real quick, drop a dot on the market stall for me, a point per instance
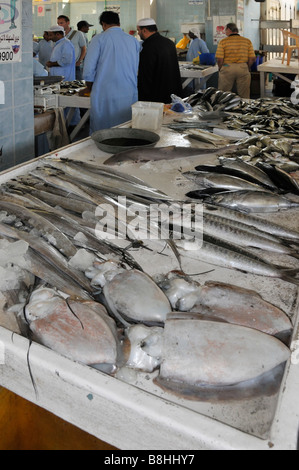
(130, 410)
(189, 71)
(276, 67)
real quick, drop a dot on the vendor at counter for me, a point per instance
(235, 56)
(197, 46)
(62, 61)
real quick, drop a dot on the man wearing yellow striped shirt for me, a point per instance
(235, 56)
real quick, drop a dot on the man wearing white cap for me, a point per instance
(110, 71)
(62, 61)
(159, 74)
(197, 45)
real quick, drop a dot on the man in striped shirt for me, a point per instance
(235, 56)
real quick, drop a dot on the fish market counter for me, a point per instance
(276, 67)
(133, 412)
(189, 71)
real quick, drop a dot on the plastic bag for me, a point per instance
(179, 106)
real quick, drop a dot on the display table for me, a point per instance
(73, 102)
(189, 71)
(44, 122)
(141, 415)
(276, 67)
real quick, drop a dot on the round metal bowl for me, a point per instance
(120, 139)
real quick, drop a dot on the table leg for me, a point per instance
(262, 84)
(80, 125)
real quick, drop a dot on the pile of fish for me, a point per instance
(212, 99)
(236, 184)
(87, 298)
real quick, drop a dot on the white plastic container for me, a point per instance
(147, 115)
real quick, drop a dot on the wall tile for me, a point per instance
(23, 118)
(5, 72)
(6, 120)
(23, 92)
(24, 145)
(7, 157)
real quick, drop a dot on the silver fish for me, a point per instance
(261, 224)
(252, 201)
(247, 171)
(215, 251)
(220, 227)
(49, 231)
(48, 252)
(221, 181)
(106, 183)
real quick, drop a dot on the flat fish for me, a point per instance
(157, 153)
(200, 352)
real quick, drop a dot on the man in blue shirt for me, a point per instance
(197, 46)
(62, 62)
(110, 71)
(45, 47)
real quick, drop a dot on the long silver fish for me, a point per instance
(216, 252)
(220, 227)
(49, 231)
(51, 255)
(106, 183)
(251, 201)
(253, 221)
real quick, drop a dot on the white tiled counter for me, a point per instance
(141, 415)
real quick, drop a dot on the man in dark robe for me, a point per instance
(159, 74)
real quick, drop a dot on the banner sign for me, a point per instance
(10, 31)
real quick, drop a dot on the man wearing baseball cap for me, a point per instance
(62, 61)
(159, 74)
(83, 26)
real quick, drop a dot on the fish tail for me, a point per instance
(287, 277)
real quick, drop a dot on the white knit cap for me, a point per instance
(195, 31)
(146, 22)
(56, 29)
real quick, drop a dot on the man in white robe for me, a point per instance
(110, 72)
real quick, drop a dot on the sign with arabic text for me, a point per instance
(10, 31)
